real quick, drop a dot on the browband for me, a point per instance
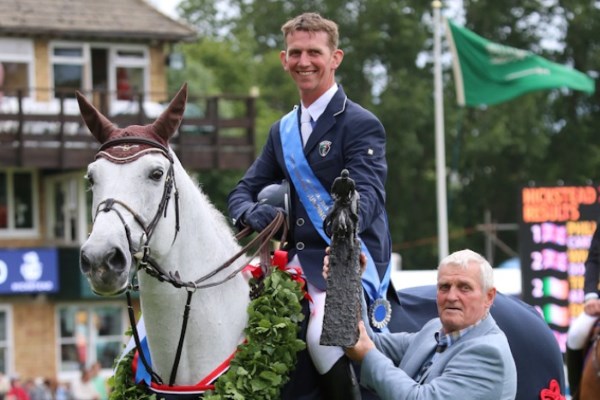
(137, 140)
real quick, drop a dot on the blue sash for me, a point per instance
(317, 201)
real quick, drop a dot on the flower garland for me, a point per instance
(262, 365)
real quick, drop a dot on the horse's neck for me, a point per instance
(218, 314)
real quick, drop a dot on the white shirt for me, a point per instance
(318, 107)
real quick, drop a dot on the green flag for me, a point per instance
(490, 73)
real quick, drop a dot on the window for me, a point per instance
(15, 78)
(121, 69)
(130, 69)
(16, 66)
(67, 210)
(68, 63)
(4, 340)
(90, 333)
(18, 200)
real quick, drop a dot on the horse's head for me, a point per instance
(132, 183)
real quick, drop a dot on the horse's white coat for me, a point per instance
(218, 315)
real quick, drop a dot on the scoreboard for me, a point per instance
(555, 231)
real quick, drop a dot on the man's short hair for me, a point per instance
(465, 257)
(312, 22)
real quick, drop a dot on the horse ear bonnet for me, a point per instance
(159, 132)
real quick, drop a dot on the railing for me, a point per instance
(217, 132)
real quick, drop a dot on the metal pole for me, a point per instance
(440, 147)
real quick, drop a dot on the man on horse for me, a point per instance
(309, 147)
(580, 329)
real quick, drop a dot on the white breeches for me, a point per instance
(323, 357)
(579, 331)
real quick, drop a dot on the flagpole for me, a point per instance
(440, 146)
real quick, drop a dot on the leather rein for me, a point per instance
(595, 346)
(145, 262)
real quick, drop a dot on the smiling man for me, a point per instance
(308, 149)
(461, 354)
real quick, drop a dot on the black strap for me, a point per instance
(186, 314)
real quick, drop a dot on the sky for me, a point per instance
(166, 6)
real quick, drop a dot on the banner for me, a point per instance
(490, 73)
(28, 271)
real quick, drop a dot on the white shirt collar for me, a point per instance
(318, 107)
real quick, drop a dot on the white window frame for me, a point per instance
(83, 60)
(9, 344)
(21, 233)
(114, 60)
(24, 55)
(81, 207)
(117, 61)
(90, 307)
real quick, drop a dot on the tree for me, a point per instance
(491, 151)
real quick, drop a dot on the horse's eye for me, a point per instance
(156, 174)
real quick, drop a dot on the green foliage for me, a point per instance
(122, 383)
(543, 137)
(262, 364)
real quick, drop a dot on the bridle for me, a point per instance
(145, 262)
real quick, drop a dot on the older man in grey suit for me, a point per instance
(461, 354)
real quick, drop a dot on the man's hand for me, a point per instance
(259, 216)
(362, 346)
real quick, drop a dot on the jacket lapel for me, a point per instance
(424, 346)
(482, 329)
(327, 120)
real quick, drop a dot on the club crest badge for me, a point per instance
(324, 147)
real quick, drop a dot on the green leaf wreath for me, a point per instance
(263, 363)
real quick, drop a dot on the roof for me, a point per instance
(98, 19)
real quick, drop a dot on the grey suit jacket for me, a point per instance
(479, 366)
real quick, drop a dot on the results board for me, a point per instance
(555, 232)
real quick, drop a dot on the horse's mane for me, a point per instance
(199, 199)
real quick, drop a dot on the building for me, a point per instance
(117, 53)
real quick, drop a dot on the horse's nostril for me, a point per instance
(115, 260)
(84, 263)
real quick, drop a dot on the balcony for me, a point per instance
(217, 132)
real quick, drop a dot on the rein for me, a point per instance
(595, 360)
(151, 267)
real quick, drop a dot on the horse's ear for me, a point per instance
(166, 125)
(97, 123)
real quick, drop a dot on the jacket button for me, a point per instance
(300, 221)
(300, 246)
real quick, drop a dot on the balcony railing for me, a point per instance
(217, 132)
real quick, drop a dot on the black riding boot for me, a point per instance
(340, 382)
(574, 360)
